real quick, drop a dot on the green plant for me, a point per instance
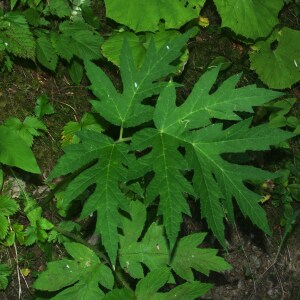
(8, 207)
(269, 40)
(158, 145)
(71, 39)
(15, 132)
(4, 273)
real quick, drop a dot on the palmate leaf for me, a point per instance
(106, 173)
(153, 250)
(252, 19)
(79, 276)
(174, 13)
(125, 109)
(215, 181)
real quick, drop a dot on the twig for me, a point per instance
(248, 261)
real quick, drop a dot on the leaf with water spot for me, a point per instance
(79, 277)
(215, 181)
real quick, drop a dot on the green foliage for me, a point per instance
(15, 132)
(73, 40)
(36, 231)
(147, 288)
(252, 19)
(173, 13)
(43, 107)
(28, 129)
(83, 274)
(21, 156)
(278, 68)
(120, 109)
(134, 164)
(138, 44)
(79, 276)
(15, 36)
(88, 121)
(152, 250)
(8, 207)
(216, 181)
(4, 274)
(280, 114)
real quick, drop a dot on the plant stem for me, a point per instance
(121, 139)
(121, 133)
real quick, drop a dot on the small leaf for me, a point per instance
(76, 71)
(43, 107)
(21, 156)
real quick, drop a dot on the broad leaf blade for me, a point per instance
(174, 13)
(283, 63)
(21, 156)
(252, 19)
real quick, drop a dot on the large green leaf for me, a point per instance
(153, 251)
(125, 109)
(215, 179)
(252, 19)
(278, 68)
(142, 15)
(14, 151)
(80, 277)
(107, 173)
